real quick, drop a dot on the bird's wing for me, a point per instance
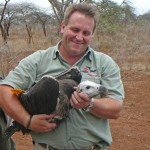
(42, 97)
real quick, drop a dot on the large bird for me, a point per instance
(47, 96)
(52, 95)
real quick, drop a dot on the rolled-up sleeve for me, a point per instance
(111, 78)
(24, 74)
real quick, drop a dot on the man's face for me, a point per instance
(77, 34)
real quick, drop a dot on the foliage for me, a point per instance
(111, 16)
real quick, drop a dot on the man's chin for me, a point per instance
(76, 52)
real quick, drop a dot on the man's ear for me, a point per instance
(62, 27)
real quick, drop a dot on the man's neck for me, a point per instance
(71, 59)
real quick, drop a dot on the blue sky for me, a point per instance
(141, 6)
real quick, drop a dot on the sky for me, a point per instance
(141, 6)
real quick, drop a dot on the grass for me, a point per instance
(130, 48)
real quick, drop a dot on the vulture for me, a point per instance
(51, 95)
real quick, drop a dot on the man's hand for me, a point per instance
(39, 123)
(79, 100)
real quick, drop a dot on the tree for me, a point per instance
(112, 16)
(59, 8)
(127, 13)
(4, 22)
(24, 14)
(108, 16)
(42, 18)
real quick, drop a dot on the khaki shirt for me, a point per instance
(81, 129)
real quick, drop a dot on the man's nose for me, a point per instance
(79, 36)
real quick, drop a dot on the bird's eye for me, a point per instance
(88, 87)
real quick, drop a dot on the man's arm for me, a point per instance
(11, 105)
(106, 108)
(102, 107)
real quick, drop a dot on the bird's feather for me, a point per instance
(42, 98)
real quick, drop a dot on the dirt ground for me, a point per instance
(132, 130)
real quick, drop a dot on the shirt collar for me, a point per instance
(87, 55)
(56, 51)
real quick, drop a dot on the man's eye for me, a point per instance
(75, 30)
(87, 33)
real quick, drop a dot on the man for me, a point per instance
(87, 126)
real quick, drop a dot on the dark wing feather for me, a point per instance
(43, 93)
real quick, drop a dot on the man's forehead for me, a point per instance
(81, 22)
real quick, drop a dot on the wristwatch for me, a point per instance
(88, 108)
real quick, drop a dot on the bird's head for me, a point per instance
(73, 73)
(76, 74)
(92, 89)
